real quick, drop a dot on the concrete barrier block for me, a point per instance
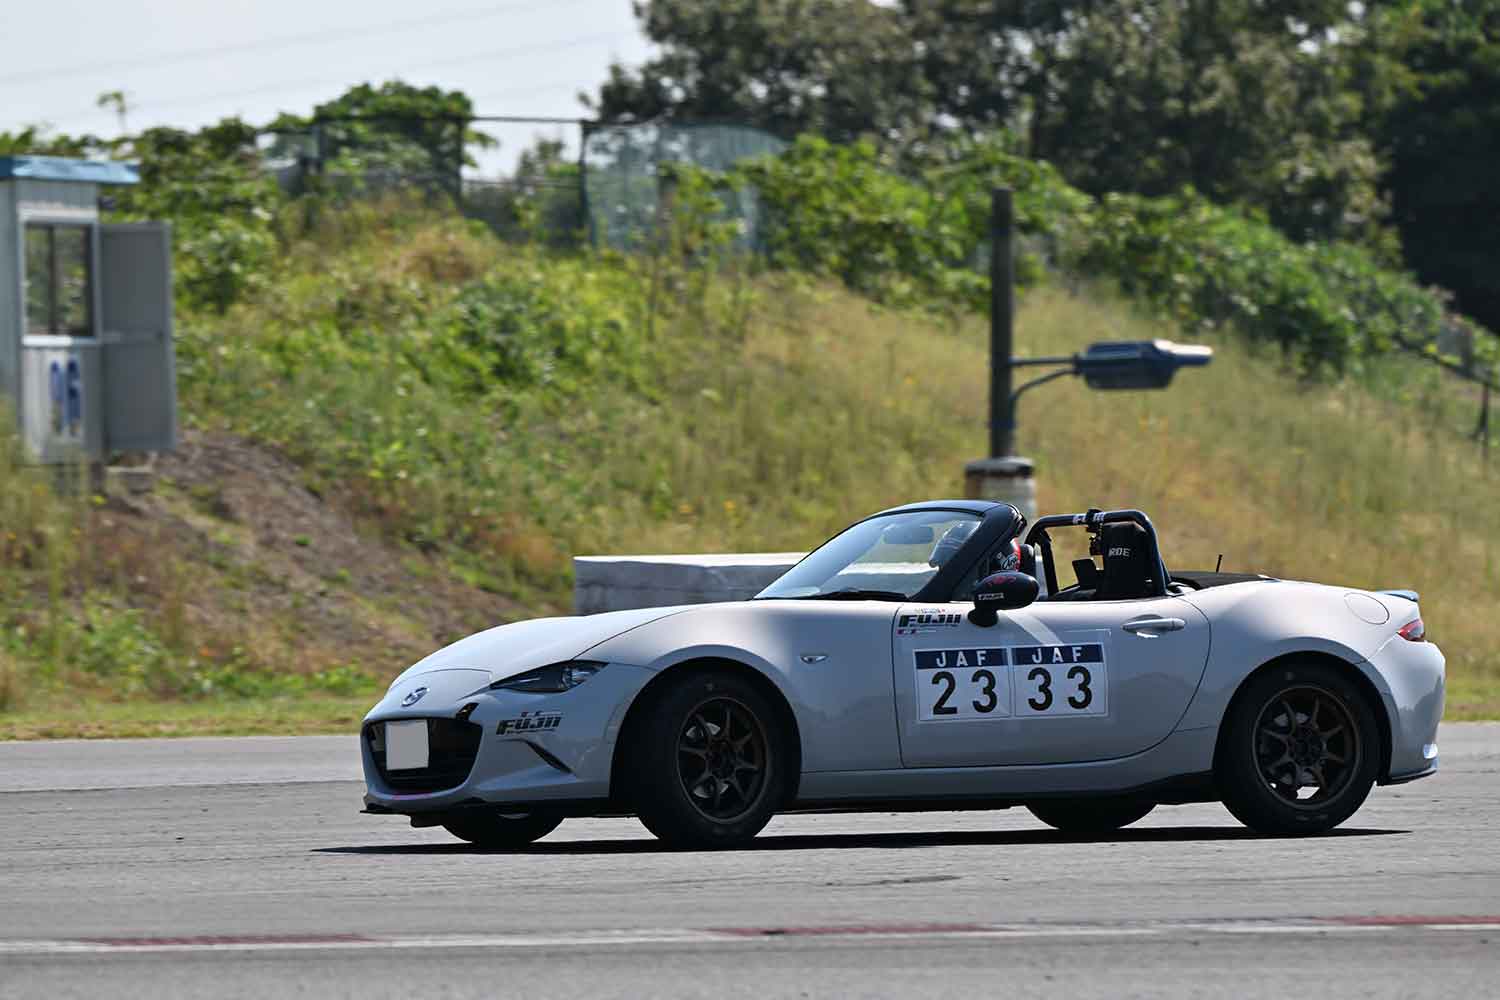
(619, 583)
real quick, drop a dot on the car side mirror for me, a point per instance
(1001, 592)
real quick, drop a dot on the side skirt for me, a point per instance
(1178, 790)
(1175, 791)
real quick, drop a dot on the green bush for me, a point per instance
(512, 329)
(1328, 305)
(222, 206)
(839, 211)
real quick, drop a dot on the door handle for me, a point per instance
(1150, 628)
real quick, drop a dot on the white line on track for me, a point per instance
(720, 938)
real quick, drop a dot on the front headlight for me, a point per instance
(554, 678)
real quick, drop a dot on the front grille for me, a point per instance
(452, 747)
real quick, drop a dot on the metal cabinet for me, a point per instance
(86, 342)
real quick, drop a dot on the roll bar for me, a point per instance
(1092, 521)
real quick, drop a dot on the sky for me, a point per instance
(187, 63)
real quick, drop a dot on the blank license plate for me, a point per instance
(405, 745)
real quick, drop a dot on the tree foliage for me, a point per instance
(222, 205)
(37, 140)
(1248, 101)
(1441, 132)
(1330, 119)
(841, 68)
(395, 130)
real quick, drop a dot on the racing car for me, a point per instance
(938, 655)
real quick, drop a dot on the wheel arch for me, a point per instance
(636, 713)
(1360, 679)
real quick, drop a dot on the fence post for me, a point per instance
(583, 182)
(459, 141)
(1482, 428)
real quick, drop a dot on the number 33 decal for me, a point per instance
(1081, 698)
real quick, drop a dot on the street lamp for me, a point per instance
(1113, 364)
(1135, 364)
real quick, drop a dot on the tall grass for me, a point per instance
(11, 682)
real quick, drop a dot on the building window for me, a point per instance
(59, 280)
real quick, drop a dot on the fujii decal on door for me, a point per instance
(1003, 682)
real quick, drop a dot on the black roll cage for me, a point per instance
(1091, 521)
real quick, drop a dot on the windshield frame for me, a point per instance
(996, 521)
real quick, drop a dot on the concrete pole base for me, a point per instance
(1008, 480)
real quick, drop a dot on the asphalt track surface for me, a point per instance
(243, 868)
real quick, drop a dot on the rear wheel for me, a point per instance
(501, 830)
(708, 762)
(1300, 750)
(1090, 815)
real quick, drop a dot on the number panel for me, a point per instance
(1060, 680)
(962, 684)
(1020, 682)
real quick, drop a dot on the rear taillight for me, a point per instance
(1413, 631)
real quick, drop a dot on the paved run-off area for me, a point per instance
(243, 867)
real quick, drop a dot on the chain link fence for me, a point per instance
(627, 191)
(584, 182)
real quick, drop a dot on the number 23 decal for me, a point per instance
(984, 678)
(1081, 698)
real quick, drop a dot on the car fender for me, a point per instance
(831, 661)
(1254, 623)
(514, 648)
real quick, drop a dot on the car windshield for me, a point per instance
(889, 557)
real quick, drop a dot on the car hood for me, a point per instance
(507, 650)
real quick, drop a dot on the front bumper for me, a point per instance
(526, 748)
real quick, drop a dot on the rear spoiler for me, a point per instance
(1410, 595)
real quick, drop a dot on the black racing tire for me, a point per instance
(1102, 815)
(1299, 751)
(708, 763)
(500, 830)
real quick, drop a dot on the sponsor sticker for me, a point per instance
(529, 722)
(927, 620)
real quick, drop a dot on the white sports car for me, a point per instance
(925, 657)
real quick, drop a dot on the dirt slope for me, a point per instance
(240, 552)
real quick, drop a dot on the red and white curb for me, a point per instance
(730, 936)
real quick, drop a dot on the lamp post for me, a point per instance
(1106, 365)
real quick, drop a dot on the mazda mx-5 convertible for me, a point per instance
(925, 657)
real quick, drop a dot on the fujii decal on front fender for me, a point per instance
(529, 722)
(926, 620)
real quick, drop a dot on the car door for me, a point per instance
(1049, 683)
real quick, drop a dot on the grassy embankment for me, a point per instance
(476, 413)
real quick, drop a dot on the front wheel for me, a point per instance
(1090, 815)
(708, 764)
(1299, 752)
(501, 831)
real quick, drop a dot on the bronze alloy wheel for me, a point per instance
(1300, 748)
(707, 758)
(721, 758)
(1306, 746)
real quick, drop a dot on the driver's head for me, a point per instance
(952, 540)
(1015, 556)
